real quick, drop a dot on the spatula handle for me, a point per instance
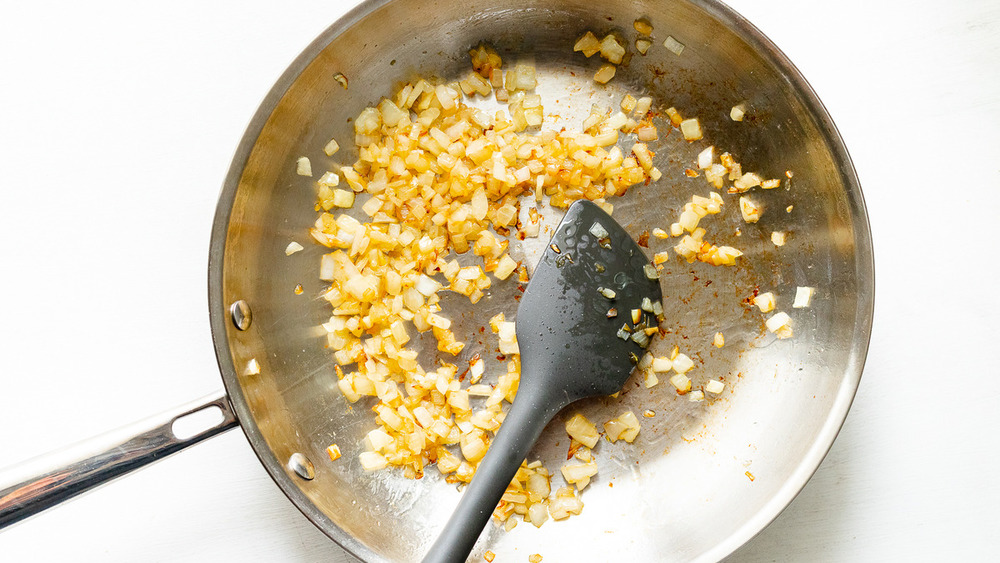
(528, 415)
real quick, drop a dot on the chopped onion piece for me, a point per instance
(579, 474)
(607, 292)
(604, 74)
(343, 198)
(751, 211)
(780, 323)
(372, 461)
(642, 105)
(696, 395)
(427, 286)
(681, 382)
(651, 272)
(333, 451)
(691, 129)
(582, 430)
(329, 179)
(598, 230)
(331, 148)
(682, 363)
(253, 368)
(647, 305)
(642, 45)
(738, 111)
(645, 362)
(719, 341)
(623, 332)
(611, 49)
(715, 387)
(765, 302)
(650, 379)
(628, 103)
(292, 248)
(803, 296)
(505, 267)
(705, 158)
(778, 238)
(303, 167)
(673, 45)
(640, 338)
(662, 365)
(537, 514)
(624, 427)
(588, 44)
(643, 26)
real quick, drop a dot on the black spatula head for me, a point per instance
(570, 349)
(575, 321)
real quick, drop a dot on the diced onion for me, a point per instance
(738, 111)
(582, 430)
(691, 129)
(682, 363)
(715, 387)
(705, 158)
(588, 44)
(662, 365)
(579, 474)
(303, 167)
(604, 74)
(803, 296)
(612, 50)
(624, 427)
(751, 211)
(427, 286)
(765, 302)
(779, 321)
(372, 461)
(673, 45)
(598, 230)
(643, 26)
(681, 382)
(292, 248)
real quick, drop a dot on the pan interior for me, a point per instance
(702, 477)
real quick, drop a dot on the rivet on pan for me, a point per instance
(240, 313)
(301, 466)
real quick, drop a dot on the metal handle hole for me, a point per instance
(199, 421)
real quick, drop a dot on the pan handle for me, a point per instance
(45, 481)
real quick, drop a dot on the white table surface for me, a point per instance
(117, 123)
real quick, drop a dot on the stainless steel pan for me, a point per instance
(703, 478)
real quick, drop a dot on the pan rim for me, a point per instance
(864, 267)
